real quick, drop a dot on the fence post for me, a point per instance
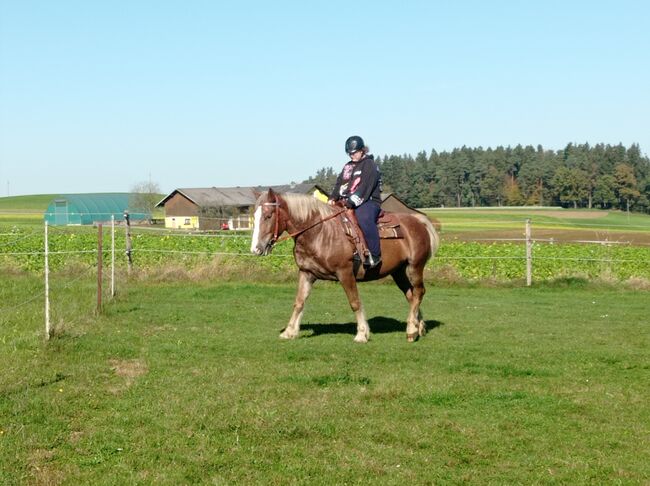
(112, 255)
(529, 255)
(47, 287)
(127, 221)
(100, 237)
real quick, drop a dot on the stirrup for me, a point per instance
(372, 261)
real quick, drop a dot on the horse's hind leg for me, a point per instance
(305, 284)
(410, 281)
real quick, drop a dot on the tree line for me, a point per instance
(578, 176)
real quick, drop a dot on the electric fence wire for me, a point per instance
(41, 293)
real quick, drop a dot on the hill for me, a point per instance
(26, 204)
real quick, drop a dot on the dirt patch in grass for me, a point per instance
(129, 369)
(42, 470)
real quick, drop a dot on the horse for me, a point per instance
(322, 250)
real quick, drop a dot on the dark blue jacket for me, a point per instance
(358, 182)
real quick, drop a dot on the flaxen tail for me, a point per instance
(434, 237)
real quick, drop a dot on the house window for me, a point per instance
(187, 221)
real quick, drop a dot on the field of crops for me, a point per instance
(462, 259)
(477, 244)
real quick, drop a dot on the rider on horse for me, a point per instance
(358, 186)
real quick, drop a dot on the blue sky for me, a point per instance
(99, 96)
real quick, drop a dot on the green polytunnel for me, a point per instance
(90, 209)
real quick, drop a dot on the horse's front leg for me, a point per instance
(350, 286)
(305, 284)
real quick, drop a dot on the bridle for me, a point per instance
(276, 231)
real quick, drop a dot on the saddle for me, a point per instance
(387, 224)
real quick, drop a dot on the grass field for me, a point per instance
(189, 384)
(24, 204)
(559, 224)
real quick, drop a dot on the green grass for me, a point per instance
(189, 384)
(33, 203)
(481, 219)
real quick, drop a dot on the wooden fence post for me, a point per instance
(100, 238)
(112, 255)
(127, 221)
(529, 255)
(47, 287)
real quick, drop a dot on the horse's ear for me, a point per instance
(271, 193)
(256, 194)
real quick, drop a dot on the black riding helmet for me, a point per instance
(353, 144)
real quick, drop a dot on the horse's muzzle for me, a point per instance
(265, 250)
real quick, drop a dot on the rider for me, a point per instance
(358, 187)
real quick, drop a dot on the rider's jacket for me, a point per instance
(358, 182)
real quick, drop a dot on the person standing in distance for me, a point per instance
(358, 186)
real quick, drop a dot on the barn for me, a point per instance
(390, 202)
(80, 209)
(213, 208)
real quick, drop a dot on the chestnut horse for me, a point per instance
(322, 250)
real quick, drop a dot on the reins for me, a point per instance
(276, 237)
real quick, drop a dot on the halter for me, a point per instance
(276, 239)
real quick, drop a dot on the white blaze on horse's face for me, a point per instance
(255, 244)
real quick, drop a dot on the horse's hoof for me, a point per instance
(422, 330)
(284, 335)
(360, 339)
(411, 337)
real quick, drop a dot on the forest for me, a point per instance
(578, 176)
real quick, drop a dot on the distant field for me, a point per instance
(559, 224)
(26, 204)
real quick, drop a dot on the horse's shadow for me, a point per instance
(378, 325)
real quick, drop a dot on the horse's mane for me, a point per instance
(303, 207)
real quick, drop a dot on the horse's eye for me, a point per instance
(267, 216)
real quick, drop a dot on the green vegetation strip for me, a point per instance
(466, 260)
(189, 384)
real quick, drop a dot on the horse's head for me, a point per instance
(268, 224)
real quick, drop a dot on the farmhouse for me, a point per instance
(78, 209)
(221, 207)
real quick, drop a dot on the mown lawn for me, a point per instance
(188, 383)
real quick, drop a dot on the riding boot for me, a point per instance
(372, 261)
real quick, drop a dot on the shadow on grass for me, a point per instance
(378, 325)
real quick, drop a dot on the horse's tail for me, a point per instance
(434, 237)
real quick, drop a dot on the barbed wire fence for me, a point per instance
(32, 246)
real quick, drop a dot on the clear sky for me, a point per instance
(98, 96)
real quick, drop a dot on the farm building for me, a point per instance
(390, 202)
(90, 208)
(221, 207)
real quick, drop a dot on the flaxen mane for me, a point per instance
(304, 207)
